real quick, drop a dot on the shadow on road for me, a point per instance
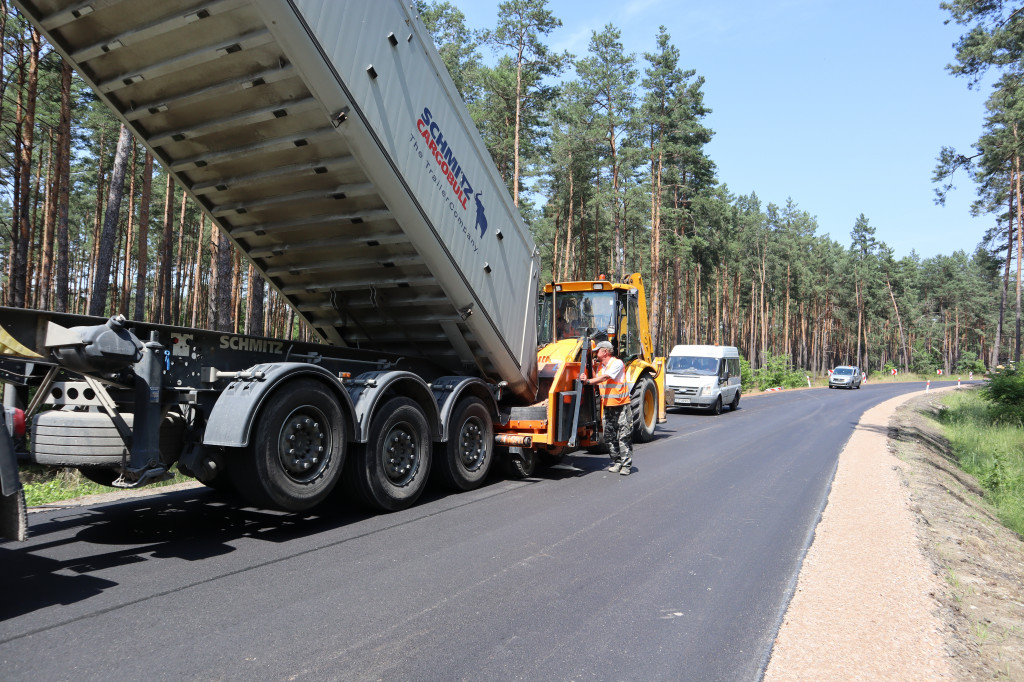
(189, 525)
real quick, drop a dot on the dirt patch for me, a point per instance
(980, 562)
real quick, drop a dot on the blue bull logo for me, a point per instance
(481, 219)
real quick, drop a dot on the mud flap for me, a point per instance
(13, 516)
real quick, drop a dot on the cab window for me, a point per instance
(631, 347)
(571, 314)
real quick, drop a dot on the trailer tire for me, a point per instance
(646, 410)
(464, 461)
(305, 414)
(391, 483)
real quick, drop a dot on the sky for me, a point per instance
(842, 107)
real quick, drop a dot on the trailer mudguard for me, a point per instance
(369, 390)
(13, 517)
(448, 391)
(230, 421)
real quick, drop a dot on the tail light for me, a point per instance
(15, 421)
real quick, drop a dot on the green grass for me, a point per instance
(45, 485)
(992, 452)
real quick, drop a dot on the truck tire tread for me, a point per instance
(371, 478)
(463, 462)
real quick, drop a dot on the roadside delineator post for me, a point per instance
(808, 380)
(958, 382)
(928, 386)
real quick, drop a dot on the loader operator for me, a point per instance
(610, 374)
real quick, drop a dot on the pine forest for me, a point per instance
(605, 153)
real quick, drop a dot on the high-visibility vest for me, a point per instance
(614, 393)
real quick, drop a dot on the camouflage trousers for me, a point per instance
(618, 433)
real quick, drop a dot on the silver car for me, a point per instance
(845, 376)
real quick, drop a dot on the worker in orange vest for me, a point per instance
(610, 375)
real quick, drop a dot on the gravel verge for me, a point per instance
(909, 576)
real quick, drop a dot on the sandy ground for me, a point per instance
(898, 583)
(863, 607)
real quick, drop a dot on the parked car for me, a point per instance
(705, 377)
(845, 376)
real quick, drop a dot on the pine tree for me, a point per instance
(521, 26)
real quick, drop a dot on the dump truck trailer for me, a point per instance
(327, 140)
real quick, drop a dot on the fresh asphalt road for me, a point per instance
(679, 572)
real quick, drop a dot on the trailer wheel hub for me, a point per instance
(400, 455)
(303, 444)
(471, 444)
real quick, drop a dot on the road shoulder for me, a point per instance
(865, 603)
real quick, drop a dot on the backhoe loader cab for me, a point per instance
(596, 310)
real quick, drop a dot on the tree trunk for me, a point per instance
(763, 312)
(176, 293)
(597, 229)
(254, 320)
(860, 317)
(28, 124)
(105, 255)
(143, 257)
(1016, 185)
(162, 310)
(1006, 283)
(785, 322)
(753, 323)
(617, 263)
(63, 200)
(220, 288)
(115, 275)
(566, 255)
(515, 145)
(656, 288)
(899, 321)
(196, 278)
(42, 293)
(19, 117)
(97, 227)
(32, 293)
(236, 292)
(129, 235)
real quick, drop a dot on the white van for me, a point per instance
(704, 376)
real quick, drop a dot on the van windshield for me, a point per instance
(692, 364)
